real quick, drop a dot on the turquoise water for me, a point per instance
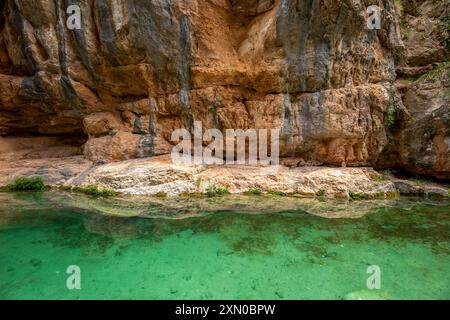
(298, 253)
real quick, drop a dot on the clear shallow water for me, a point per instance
(224, 254)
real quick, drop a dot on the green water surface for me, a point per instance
(222, 254)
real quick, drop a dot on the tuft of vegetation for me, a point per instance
(445, 20)
(212, 191)
(191, 195)
(276, 193)
(222, 191)
(161, 194)
(93, 190)
(253, 192)
(409, 34)
(437, 72)
(27, 184)
(372, 196)
(392, 195)
(112, 133)
(213, 113)
(320, 193)
(358, 196)
(390, 117)
(198, 183)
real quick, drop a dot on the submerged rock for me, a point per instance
(367, 295)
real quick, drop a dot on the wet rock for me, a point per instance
(367, 295)
(406, 187)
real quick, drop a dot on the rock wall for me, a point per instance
(423, 143)
(139, 69)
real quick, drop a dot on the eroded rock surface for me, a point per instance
(138, 70)
(158, 175)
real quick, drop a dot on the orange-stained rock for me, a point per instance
(102, 123)
(138, 70)
(115, 147)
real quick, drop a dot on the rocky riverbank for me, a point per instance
(158, 176)
(98, 105)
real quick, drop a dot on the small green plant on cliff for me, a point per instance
(27, 184)
(390, 116)
(433, 75)
(222, 191)
(437, 72)
(112, 133)
(93, 190)
(212, 191)
(276, 193)
(253, 192)
(214, 116)
(445, 20)
(198, 183)
(409, 34)
(321, 193)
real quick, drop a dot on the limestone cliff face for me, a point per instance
(423, 137)
(139, 69)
